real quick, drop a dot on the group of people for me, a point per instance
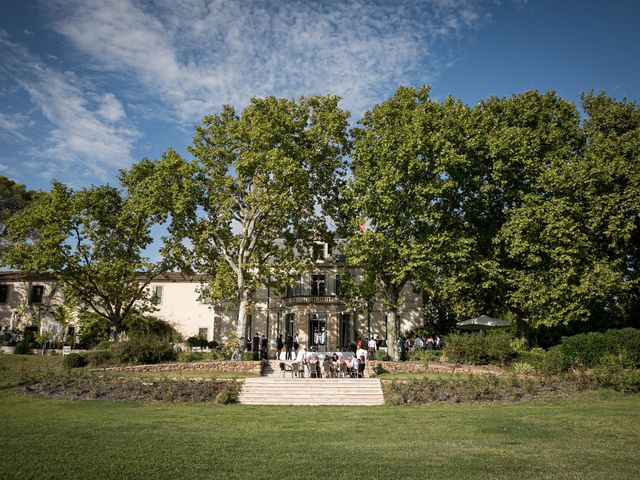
(257, 345)
(371, 345)
(427, 342)
(331, 365)
(291, 344)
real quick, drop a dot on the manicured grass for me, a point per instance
(590, 436)
(587, 435)
(12, 367)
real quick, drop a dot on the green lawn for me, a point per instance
(12, 367)
(590, 435)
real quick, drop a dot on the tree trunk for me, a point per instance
(242, 314)
(522, 324)
(392, 339)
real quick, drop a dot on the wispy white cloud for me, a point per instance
(86, 133)
(198, 54)
(11, 125)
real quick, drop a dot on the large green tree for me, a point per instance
(402, 197)
(93, 240)
(574, 251)
(261, 183)
(13, 197)
(518, 145)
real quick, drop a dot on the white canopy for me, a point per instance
(482, 322)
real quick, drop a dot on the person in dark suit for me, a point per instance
(288, 345)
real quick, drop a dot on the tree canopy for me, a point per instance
(259, 189)
(13, 197)
(522, 207)
(93, 240)
(515, 207)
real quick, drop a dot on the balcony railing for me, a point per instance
(309, 299)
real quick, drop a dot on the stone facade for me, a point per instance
(313, 308)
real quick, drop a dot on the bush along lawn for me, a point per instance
(478, 388)
(89, 386)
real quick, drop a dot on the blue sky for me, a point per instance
(88, 87)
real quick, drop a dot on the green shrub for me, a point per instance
(247, 357)
(423, 355)
(98, 357)
(584, 350)
(190, 357)
(93, 329)
(587, 350)
(382, 355)
(518, 345)
(555, 361)
(143, 350)
(523, 368)
(534, 357)
(480, 348)
(228, 394)
(104, 345)
(475, 388)
(625, 340)
(199, 342)
(22, 347)
(617, 372)
(74, 360)
(141, 325)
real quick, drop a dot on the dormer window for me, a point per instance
(319, 252)
(318, 286)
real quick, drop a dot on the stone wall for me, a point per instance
(254, 368)
(420, 367)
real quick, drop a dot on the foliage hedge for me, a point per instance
(87, 386)
(588, 350)
(143, 350)
(22, 347)
(475, 388)
(74, 360)
(480, 348)
(203, 356)
(422, 354)
(382, 355)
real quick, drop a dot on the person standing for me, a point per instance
(256, 346)
(372, 347)
(263, 347)
(400, 346)
(288, 344)
(279, 347)
(430, 342)
(296, 345)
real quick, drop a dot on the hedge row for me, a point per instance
(481, 348)
(83, 387)
(588, 350)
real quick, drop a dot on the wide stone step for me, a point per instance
(311, 391)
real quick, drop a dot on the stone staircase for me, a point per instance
(275, 390)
